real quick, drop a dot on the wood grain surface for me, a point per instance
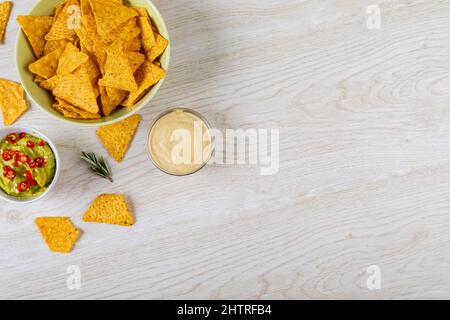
(364, 120)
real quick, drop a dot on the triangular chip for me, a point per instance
(35, 28)
(110, 209)
(147, 76)
(71, 59)
(53, 45)
(141, 11)
(77, 90)
(117, 137)
(135, 60)
(158, 49)
(111, 98)
(58, 232)
(124, 33)
(147, 35)
(118, 72)
(110, 15)
(12, 101)
(64, 23)
(5, 10)
(70, 111)
(47, 65)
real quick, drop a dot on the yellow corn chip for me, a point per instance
(58, 232)
(38, 79)
(12, 101)
(118, 72)
(110, 15)
(110, 209)
(141, 11)
(147, 76)
(5, 10)
(64, 23)
(125, 32)
(71, 59)
(70, 111)
(111, 98)
(53, 45)
(135, 60)
(47, 65)
(147, 35)
(158, 49)
(77, 90)
(117, 137)
(35, 28)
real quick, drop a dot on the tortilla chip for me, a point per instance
(5, 10)
(158, 49)
(147, 35)
(110, 15)
(135, 60)
(118, 72)
(47, 65)
(53, 45)
(111, 98)
(61, 23)
(124, 33)
(35, 29)
(110, 209)
(38, 79)
(71, 59)
(12, 101)
(117, 137)
(58, 232)
(77, 90)
(141, 11)
(147, 76)
(70, 111)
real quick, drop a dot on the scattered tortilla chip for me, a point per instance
(58, 232)
(12, 101)
(47, 65)
(158, 49)
(141, 11)
(35, 29)
(70, 111)
(147, 35)
(77, 90)
(111, 98)
(117, 137)
(118, 72)
(110, 209)
(147, 76)
(110, 15)
(71, 59)
(5, 10)
(64, 24)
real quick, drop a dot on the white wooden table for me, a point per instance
(364, 119)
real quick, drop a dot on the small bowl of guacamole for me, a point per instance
(29, 164)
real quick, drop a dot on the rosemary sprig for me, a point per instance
(99, 166)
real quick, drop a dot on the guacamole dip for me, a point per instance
(27, 165)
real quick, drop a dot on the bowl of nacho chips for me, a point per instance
(92, 62)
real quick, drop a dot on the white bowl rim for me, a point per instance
(9, 129)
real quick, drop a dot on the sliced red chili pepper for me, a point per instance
(12, 138)
(22, 135)
(40, 162)
(6, 155)
(23, 186)
(8, 173)
(24, 158)
(30, 144)
(32, 164)
(42, 143)
(29, 177)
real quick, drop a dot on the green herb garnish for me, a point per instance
(98, 166)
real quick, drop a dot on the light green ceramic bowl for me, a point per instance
(44, 99)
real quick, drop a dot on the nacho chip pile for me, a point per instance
(92, 65)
